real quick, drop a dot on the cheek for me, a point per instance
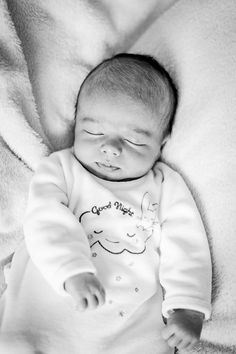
(84, 148)
(146, 157)
(139, 162)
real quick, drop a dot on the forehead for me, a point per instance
(116, 109)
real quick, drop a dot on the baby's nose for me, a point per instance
(111, 149)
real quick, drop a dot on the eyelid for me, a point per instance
(101, 134)
(90, 133)
(136, 144)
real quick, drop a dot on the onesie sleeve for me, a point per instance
(185, 261)
(54, 237)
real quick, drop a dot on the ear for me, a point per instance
(165, 141)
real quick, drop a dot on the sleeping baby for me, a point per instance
(115, 230)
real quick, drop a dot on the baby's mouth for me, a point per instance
(107, 166)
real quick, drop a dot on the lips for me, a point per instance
(107, 166)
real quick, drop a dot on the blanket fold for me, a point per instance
(21, 135)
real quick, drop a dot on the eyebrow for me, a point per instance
(143, 132)
(88, 119)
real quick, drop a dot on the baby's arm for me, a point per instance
(86, 290)
(185, 264)
(183, 328)
(56, 241)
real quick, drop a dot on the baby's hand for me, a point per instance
(183, 329)
(86, 290)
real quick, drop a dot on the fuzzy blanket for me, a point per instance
(47, 48)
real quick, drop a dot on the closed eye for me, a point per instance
(94, 134)
(135, 144)
(98, 232)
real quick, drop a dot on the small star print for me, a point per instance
(94, 254)
(90, 237)
(122, 313)
(137, 290)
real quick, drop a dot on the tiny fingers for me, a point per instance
(176, 338)
(97, 299)
(101, 296)
(91, 300)
(167, 332)
(173, 341)
(169, 336)
(188, 344)
(184, 344)
(88, 302)
(81, 304)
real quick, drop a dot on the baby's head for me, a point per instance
(124, 113)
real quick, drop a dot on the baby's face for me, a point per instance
(116, 138)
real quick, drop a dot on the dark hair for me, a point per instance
(141, 78)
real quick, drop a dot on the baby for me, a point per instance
(115, 228)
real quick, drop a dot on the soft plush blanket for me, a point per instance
(47, 48)
(21, 136)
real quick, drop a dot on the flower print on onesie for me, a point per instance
(122, 239)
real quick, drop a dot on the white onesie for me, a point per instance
(144, 239)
